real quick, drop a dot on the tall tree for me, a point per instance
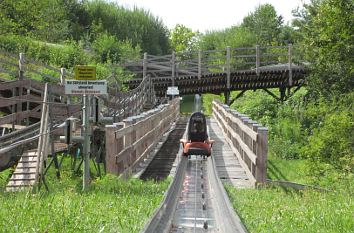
(265, 24)
(183, 39)
(328, 38)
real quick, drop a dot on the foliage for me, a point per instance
(137, 25)
(264, 23)
(112, 50)
(332, 144)
(58, 21)
(262, 26)
(111, 204)
(183, 39)
(39, 19)
(207, 102)
(327, 39)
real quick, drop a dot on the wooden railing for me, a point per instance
(130, 141)
(247, 139)
(228, 60)
(130, 103)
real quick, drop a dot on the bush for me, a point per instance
(333, 143)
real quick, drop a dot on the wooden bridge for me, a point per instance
(222, 71)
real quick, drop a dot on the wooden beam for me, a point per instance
(9, 126)
(4, 102)
(272, 94)
(238, 96)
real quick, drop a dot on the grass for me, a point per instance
(290, 170)
(110, 205)
(282, 210)
(275, 209)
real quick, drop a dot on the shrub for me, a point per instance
(333, 143)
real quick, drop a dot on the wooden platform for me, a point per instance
(227, 165)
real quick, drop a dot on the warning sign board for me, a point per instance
(85, 72)
(85, 87)
(172, 90)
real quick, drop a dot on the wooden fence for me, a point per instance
(130, 141)
(247, 139)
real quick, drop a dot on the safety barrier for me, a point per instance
(130, 141)
(248, 140)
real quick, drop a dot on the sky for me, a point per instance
(207, 15)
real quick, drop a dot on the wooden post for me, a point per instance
(145, 64)
(62, 76)
(41, 140)
(173, 61)
(19, 105)
(228, 67)
(290, 47)
(128, 140)
(13, 109)
(21, 63)
(199, 64)
(114, 146)
(258, 59)
(28, 105)
(262, 154)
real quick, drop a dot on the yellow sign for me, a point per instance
(85, 72)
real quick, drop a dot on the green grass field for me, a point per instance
(276, 209)
(110, 205)
(285, 210)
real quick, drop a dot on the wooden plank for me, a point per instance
(9, 126)
(9, 85)
(4, 102)
(243, 145)
(240, 123)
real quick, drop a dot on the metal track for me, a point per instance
(195, 201)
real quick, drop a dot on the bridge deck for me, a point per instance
(227, 164)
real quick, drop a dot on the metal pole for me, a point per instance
(86, 146)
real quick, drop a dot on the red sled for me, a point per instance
(198, 142)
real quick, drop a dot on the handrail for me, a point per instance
(227, 60)
(247, 139)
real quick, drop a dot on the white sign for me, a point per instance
(172, 91)
(85, 87)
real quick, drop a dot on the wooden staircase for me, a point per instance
(24, 176)
(30, 167)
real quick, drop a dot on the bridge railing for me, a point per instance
(199, 63)
(247, 139)
(130, 141)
